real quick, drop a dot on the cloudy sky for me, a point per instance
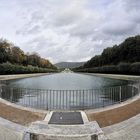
(68, 30)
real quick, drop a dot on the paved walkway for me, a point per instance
(10, 130)
(127, 130)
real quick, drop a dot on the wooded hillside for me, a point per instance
(14, 60)
(122, 58)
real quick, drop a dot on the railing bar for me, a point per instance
(64, 99)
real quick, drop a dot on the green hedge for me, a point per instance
(8, 68)
(122, 68)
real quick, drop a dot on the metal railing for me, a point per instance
(69, 99)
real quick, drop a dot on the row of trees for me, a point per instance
(14, 55)
(128, 51)
(122, 68)
(8, 68)
(112, 58)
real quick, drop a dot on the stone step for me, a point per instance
(43, 131)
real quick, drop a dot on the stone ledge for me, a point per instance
(42, 131)
(116, 113)
(19, 114)
(10, 130)
(20, 76)
(129, 129)
(16, 106)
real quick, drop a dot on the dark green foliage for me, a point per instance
(135, 68)
(8, 68)
(123, 68)
(19, 62)
(17, 56)
(4, 50)
(124, 59)
(128, 51)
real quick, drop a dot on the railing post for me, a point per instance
(139, 88)
(132, 91)
(0, 91)
(11, 98)
(120, 94)
(83, 101)
(50, 100)
(102, 97)
(70, 99)
(47, 99)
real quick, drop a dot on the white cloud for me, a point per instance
(68, 30)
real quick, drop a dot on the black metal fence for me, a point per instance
(69, 99)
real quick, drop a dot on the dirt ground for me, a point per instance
(116, 115)
(23, 117)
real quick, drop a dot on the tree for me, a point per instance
(33, 59)
(14, 55)
(18, 56)
(127, 52)
(5, 47)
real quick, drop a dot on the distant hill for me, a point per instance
(69, 64)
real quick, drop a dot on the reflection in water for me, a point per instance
(70, 91)
(65, 81)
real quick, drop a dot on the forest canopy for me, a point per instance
(11, 54)
(122, 58)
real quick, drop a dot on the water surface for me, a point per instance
(69, 91)
(66, 81)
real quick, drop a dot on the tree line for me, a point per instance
(11, 55)
(122, 58)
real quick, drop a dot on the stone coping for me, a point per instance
(10, 130)
(43, 131)
(114, 106)
(98, 115)
(13, 126)
(115, 114)
(19, 114)
(19, 76)
(116, 76)
(129, 129)
(8, 103)
(40, 127)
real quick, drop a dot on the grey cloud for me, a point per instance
(119, 28)
(76, 29)
(27, 30)
(133, 10)
(66, 17)
(131, 4)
